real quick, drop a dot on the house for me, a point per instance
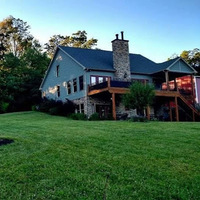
(96, 79)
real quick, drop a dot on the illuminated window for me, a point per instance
(98, 79)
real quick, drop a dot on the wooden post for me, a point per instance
(193, 115)
(177, 113)
(193, 87)
(167, 79)
(113, 106)
(175, 85)
(108, 82)
(148, 112)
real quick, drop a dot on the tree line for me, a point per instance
(23, 62)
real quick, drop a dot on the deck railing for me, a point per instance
(109, 83)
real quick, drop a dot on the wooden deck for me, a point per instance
(114, 87)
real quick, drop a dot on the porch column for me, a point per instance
(148, 112)
(108, 82)
(193, 116)
(177, 113)
(113, 107)
(175, 85)
(167, 79)
(193, 87)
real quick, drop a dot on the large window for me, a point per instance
(68, 87)
(81, 82)
(75, 84)
(98, 79)
(58, 90)
(57, 70)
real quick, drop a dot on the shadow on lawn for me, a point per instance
(4, 141)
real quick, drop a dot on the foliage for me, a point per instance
(78, 116)
(138, 119)
(57, 158)
(14, 36)
(78, 39)
(193, 58)
(139, 97)
(56, 107)
(94, 117)
(22, 65)
(4, 107)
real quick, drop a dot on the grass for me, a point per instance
(58, 158)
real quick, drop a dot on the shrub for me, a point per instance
(94, 117)
(138, 119)
(35, 108)
(54, 111)
(4, 107)
(78, 116)
(56, 107)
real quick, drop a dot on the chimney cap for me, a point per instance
(117, 36)
(122, 35)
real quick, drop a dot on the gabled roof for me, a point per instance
(103, 60)
(90, 58)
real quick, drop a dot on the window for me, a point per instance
(98, 79)
(75, 85)
(58, 91)
(68, 87)
(57, 70)
(81, 83)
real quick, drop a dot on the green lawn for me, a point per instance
(57, 158)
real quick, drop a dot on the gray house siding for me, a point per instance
(68, 70)
(137, 76)
(181, 66)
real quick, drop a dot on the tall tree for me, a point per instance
(14, 36)
(192, 57)
(78, 39)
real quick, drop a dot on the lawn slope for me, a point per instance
(57, 158)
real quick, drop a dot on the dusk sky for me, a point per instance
(155, 28)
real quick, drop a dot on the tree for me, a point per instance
(139, 97)
(192, 57)
(78, 39)
(14, 36)
(21, 77)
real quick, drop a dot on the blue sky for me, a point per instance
(155, 28)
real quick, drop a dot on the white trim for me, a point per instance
(47, 71)
(197, 99)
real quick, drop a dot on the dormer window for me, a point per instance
(57, 71)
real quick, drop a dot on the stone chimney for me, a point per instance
(121, 61)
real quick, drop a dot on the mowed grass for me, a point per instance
(58, 158)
